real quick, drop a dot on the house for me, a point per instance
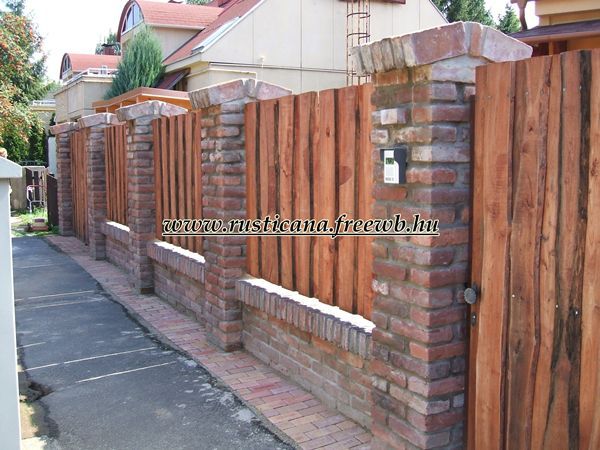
(564, 25)
(299, 44)
(85, 79)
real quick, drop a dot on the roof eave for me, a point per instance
(550, 37)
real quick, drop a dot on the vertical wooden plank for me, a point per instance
(165, 172)
(112, 176)
(496, 94)
(198, 245)
(180, 176)
(189, 182)
(115, 176)
(314, 148)
(529, 177)
(157, 176)
(268, 189)
(346, 178)
(107, 171)
(285, 139)
(302, 194)
(476, 251)
(589, 392)
(563, 414)
(364, 274)
(252, 188)
(123, 172)
(172, 189)
(325, 198)
(547, 263)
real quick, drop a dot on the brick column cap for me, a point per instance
(64, 127)
(151, 109)
(94, 120)
(247, 89)
(438, 44)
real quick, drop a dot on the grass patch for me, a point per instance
(20, 221)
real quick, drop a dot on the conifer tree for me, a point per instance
(141, 65)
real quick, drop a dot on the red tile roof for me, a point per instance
(81, 62)
(230, 10)
(176, 15)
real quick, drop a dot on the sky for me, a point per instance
(76, 26)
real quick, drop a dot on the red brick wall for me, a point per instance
(339, 378)
(117, 253)
(185, 294)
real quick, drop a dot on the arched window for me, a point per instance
(66, 66)
(133, 17)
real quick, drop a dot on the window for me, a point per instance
(132, 18)
(66, 66)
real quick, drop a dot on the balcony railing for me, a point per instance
(102, 72)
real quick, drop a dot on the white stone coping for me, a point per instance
(116, 231)
(179, 259)
(247, 89)
(150, 108)
(438, 44)
(349, 331)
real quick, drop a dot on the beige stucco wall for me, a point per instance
(170, 38)
(313, 54)
(552, 12)
(74, 100)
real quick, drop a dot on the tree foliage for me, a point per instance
(509, 22)
(111, 39)
(21, 81)
(141, 65)
(466, 11)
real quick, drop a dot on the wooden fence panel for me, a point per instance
(116, 173)
(309, 157)
(534, 348)
(79, 184)
(178, 174)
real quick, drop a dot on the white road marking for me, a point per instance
(124, 372)
(30, 345)
(60, 304)
(42, 265)
(91, 358)
(53, 295)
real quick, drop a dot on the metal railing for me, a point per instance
(96, 72)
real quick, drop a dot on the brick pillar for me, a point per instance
(96, 178)
(140, 186)
(63, 134)
(224, 197)
(423, 84)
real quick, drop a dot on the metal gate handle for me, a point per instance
(471, 294)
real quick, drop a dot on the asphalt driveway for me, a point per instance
(110, 383)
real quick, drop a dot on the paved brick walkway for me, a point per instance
(289, 408)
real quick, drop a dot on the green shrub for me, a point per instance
(141, 65)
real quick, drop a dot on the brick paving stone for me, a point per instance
(290, 409)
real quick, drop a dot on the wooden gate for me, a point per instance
(79, 185)
(309, 157)
(534, 374)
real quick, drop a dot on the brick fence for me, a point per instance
(423, 84)
(401, 375)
